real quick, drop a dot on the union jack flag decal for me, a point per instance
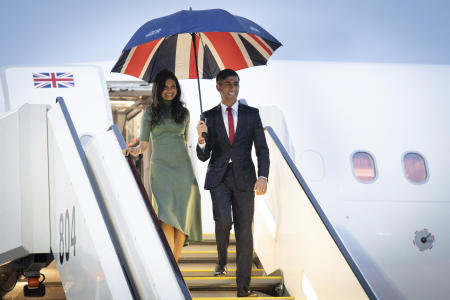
(53, 80)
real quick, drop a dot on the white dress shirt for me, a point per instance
(234, 111)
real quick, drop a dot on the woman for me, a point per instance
(176, 195)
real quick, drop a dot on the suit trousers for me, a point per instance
(227, 200)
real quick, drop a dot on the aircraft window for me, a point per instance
(415, 168)
(363, 166)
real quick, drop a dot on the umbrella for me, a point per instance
(195, 44)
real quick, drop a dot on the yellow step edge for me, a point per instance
(228, 277)
(209, 234)
(204, 252)
(207, 252)
(236, 298)
(212, 270)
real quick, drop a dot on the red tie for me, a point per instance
(230, 125)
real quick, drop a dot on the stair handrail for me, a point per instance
(352, 264)
(102, 207)
(153, 215)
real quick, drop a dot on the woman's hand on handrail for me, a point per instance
(135, 151)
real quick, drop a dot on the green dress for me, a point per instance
(176, 196)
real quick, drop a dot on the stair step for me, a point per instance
(231, 295)
(240, 298)
(204, 256)
(209, 272)
(210, 256)
(221, 282)
(196, 269)
(205, 247)
(211, 238)
(208, 252)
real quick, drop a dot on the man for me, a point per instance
(231, 130)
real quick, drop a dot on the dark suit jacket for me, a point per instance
(249, 131)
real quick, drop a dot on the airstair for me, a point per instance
(141, 263)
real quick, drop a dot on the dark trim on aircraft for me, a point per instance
(112, 233)
(153, 215)
(352, 264)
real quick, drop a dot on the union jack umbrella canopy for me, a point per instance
(195, 44)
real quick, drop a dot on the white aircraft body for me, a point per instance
(358, 201)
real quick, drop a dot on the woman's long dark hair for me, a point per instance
(178, 110)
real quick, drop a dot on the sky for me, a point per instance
(382, 31)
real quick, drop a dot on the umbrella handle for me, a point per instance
(202, 118)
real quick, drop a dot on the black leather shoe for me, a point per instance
(247, 294)
(220, 270)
